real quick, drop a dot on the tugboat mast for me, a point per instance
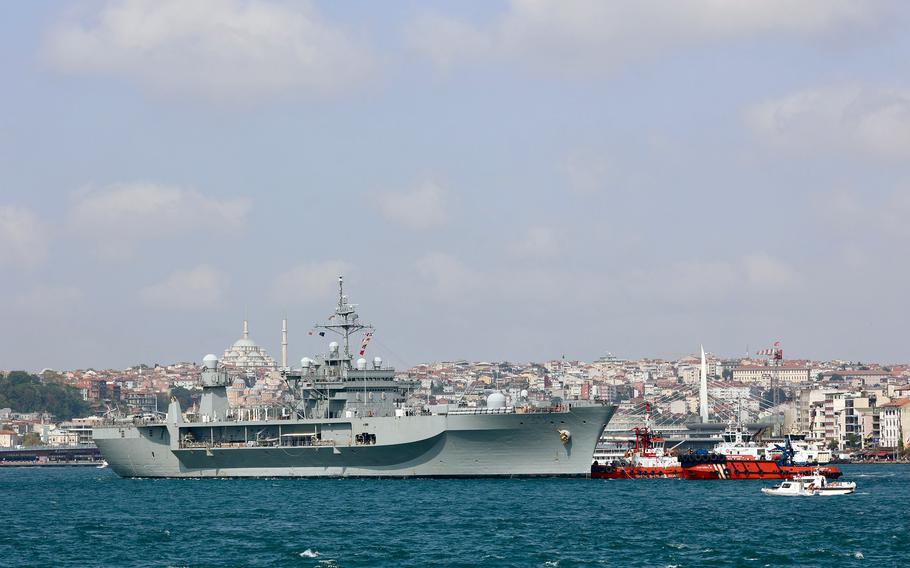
(345, 322)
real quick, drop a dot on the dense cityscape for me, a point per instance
(859, 410)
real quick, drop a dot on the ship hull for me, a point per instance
(755, 469)
(630, 472)
(453, 445)
(718, 469)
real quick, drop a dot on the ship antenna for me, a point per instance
(344, 321)
(341, 309)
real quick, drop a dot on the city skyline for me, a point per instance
(495, 181)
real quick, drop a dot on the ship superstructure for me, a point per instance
(347, 418)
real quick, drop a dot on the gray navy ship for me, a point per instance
(351, 419)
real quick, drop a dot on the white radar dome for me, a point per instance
(210, 361)
(496, 400)
(305, 362)
(377, 362)
(333, 347)
(361, 364)
(524, 393)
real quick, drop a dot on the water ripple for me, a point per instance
(68, 517)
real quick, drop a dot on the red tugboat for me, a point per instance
(647, 458)
(735, 459)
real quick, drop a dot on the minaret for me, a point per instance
(703, 388)
(284, 343)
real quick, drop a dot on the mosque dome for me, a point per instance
(246, 354)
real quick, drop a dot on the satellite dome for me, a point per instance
(377, 362)
(524, 393)
(361, 364)
(210, 361)
(496, 400)
(305, 362)
(333, 347)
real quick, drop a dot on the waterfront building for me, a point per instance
(143, 401)
(75, 431)
(9, 439)
(786, 374)
(62, 437)
(857, 376)
(895, 423)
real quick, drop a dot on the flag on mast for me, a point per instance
(367, 336)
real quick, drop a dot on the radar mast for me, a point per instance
(345, 320)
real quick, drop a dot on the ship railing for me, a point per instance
(511, 410)
(131, 421)
(270, 443)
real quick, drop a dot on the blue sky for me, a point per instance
(497, 180)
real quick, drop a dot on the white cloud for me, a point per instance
(424, 207)
(766, 273)
(46, 302)
(218, 49)
(308, 282)
(448, 277)
(588, 172)
(200, 288)
(847, 119)
(860, 216)
(895, 214)
(681, 283)
(594, 35)
(446, 41)
(50, 300)
(23, 237)
(537, 242)
(700, 282)
(118, 215)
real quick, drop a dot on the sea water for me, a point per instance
(91, 517)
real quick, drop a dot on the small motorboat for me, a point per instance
(809, 485)
(102, 465)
